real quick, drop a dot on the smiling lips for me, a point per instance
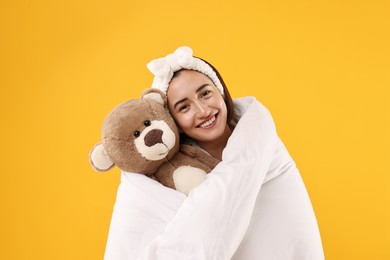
(208, 122)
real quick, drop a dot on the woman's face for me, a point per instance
(197, 106)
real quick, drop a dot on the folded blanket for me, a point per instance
(151, 221)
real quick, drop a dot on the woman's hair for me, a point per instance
(226, 95)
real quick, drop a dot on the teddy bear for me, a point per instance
(140, 136)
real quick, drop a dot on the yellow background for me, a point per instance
(321, 67)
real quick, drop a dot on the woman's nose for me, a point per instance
(202, 110)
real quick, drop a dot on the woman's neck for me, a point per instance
(215, 148)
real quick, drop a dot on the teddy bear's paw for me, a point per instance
(187, 177)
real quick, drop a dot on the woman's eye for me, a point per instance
(206, 93)
(183, 108)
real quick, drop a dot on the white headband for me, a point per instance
(163, 68)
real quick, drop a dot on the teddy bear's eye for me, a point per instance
(147, 123)
(136, 133)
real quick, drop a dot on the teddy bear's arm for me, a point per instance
(164, 175)
(199, 155)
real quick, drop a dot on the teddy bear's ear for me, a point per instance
(156, 95)
(99, 159)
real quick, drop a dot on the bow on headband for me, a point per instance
(163, 68)
(181, 58)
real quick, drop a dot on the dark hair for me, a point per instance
(226, 95)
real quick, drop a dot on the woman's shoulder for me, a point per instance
(241, 105)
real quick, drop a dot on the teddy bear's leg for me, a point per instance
(187, 177)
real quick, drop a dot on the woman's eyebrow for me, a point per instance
(202, 87)
(178, 102)
(184, 99)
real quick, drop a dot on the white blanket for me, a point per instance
(151, 221)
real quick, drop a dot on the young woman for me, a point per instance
(253, 205)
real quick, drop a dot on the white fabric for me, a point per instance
(253, 205)
(164, 68)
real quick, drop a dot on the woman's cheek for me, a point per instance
(185, 120)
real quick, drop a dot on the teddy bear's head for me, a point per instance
(138, 136)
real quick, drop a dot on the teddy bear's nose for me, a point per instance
(153, 137)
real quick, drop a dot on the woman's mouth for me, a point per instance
(209, 122)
